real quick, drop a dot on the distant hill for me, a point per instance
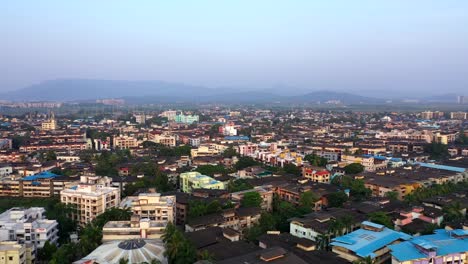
(159, 91)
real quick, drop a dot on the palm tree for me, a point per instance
(322, 241)
(174, 246)
(453, 211)
(366, 260)
(153, 261)
(347, 222)
(168, 233)
(205, 255)
(123, 261)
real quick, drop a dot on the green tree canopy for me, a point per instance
(251, 199)
(354, 168)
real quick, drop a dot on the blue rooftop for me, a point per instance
(441, 167)
(443, 242)
(236, 138)
(364, 242)
(42, 175)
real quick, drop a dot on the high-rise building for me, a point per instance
(462, 99)
(152, 206)
(90, 200)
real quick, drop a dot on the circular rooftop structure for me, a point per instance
(135, 250)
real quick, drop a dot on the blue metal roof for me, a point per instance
(441, 167)
(442, 242)
(364, 242)
(42, 175)
(236, 138)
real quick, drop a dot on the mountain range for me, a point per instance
(160, 91)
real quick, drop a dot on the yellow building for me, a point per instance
(50, 124)
(12, 253)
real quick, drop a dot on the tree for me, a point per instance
(292, 169)
(179, 250)
(453, 212)
(308, 199)
(437, 151)
(239, 185)
(354, 168)
(358, 190)
(245, 162)
(229, 152)
(316, 160)
(366, 260)
(381, 218)
(46, 252)
(211, 170)
(337, 199)
(322, 241)
(251, 199)
(392, 195)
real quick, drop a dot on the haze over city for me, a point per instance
(369, 48)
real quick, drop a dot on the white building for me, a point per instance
(5, 170)
(28, 226)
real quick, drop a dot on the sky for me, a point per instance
(364, 46)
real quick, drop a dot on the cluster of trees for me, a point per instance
(107, 162)
(165, 151)
(211, 170)
(199, 208)
(315, 160)
(159, 181)
(251, 199)
(179, 250)
(90, 238)
(336, 227)
(381, 218)
(358, 190)
(354, 168)
(282, 211)
(436, 150)
(292, 169)
(245, 162)
(434, 190)
(229, 152)
(239, 185)
(462, 139)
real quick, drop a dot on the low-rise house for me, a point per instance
(237, 219)
(136, 228)
(371, 240)
(441, 247)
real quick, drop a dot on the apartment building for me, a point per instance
(50, 124)
(13, 253)
(165, 139)
(90, 200)
(208, 150)
(459, 115)
(195, 180)
(186, 119)
(125, 142)
(152, 206)
(316, 175)
(28, 226)
(136, 228)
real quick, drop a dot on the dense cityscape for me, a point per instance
(218, 184)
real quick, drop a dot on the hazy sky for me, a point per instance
(328, 44)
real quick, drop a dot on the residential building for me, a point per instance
(152, 206)
(371, 240)
(136, 228)
(13, 253)
(195, 180)
(444, 246)
(208, 150)
(90, 200)
(28, 226)
(125, 142)
(316, 175)
(459, 115)
(50, 124)
(186, 119)
(238, 219)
